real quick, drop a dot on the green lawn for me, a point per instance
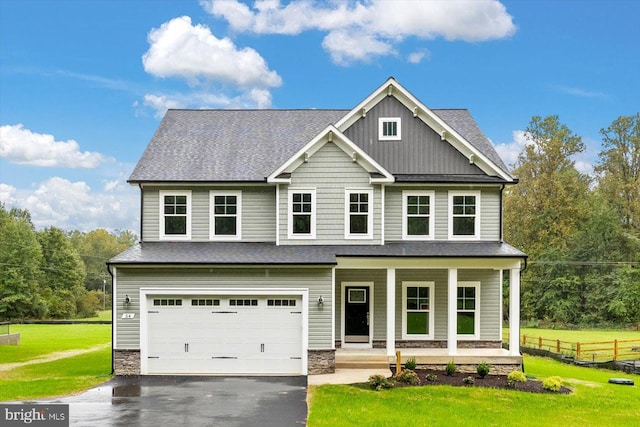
(40, 340)
(594, 402)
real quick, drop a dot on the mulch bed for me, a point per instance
(491, 381)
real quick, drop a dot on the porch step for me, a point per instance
(361, 360)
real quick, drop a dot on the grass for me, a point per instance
(60, 377)
(594, 402)
(40, 340)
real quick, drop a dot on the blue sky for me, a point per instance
(84, 84)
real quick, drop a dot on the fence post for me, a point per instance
(524, 340)
(578, 350)
(540, 343)
(558, 346)
(615, 349)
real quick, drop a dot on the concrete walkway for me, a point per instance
(346, 376)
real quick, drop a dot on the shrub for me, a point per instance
(552, 383)
(517, 377)
(378, 382)
(410, 364)
(469, 380)
(450, 369)
(432, 378)
(408, 377)
(483, 369)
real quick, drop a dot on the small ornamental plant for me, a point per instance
(552, 383)
(483, 369)
(469, 380)
(450, 369)
(378, 382)
(516, 377)
(432, 378)
(408, 376)
(410, 364)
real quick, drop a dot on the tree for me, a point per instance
(549, 201)
(619, 169)
(20, 262)
(63, 283)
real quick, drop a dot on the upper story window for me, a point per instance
(468, 303)
(175, 215)
(464, 215)
(389, 128)
(358, 214)
(417, 215)
(302, 213)
(226, 214)
(417, 310)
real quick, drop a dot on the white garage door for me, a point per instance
(249, 335)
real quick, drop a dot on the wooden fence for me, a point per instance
(586, 351)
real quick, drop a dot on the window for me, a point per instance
(467, 305)
(226, 213)
(302, 217)
(167, 302)
(243, 302)
(358, 214)
(417, 310)
(204, 302)
(417, 215)
(389, 128)
(464, 215)
(175, 215)
(281, 303)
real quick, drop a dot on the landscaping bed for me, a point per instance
(490, 381)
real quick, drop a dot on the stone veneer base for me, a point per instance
(321, 362)
(126, 362)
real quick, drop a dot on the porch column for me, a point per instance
(514, 312)
(452, 316)
(391, 312)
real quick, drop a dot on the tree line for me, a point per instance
(581, 232)
(51, 273)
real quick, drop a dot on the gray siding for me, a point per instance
(489, 211)
(130, 280)
(258, 212)
(423, 152)
(330, 171)
(489, 300)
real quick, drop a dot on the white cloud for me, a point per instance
(380, 24)
(22, 146)
(417, 56)
(509, 152)
(180, 49)
(70, 205)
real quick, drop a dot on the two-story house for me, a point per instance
(280, 241)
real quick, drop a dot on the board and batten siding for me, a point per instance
(330, 172)
(130, 280)
(489, 211)
(258, 212)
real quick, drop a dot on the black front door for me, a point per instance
(356, 314)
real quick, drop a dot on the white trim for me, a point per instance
(423, 284)
(174, 237)
(343, 298)
(476, 311)
(347, 214)
(114, 307)
(405, 217)
(391, 311)
(145, 292)
(212, 215)
(277, 214)
(477, 219)
(299, 236)
(514, 312)
(382, 209)
(452, 313)
(333, 308)
(382, 121)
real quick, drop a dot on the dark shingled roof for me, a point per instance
(268, 253)
(248, 145)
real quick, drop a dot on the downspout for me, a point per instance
(501, 214)
(141, 213)
(113, 309)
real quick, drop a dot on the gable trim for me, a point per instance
(335, 136)
(392, 88)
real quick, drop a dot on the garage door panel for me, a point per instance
(238, 335)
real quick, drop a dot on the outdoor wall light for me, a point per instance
(320, 300)
(127, 300)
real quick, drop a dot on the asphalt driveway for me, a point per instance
(158, 401)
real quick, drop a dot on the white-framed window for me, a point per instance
(225, 221)
(417, 310)
(418, 215)
(389, 129)
(468, 310)
(302, 213)
(358, 219)
(175, 215)
(464, 215)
